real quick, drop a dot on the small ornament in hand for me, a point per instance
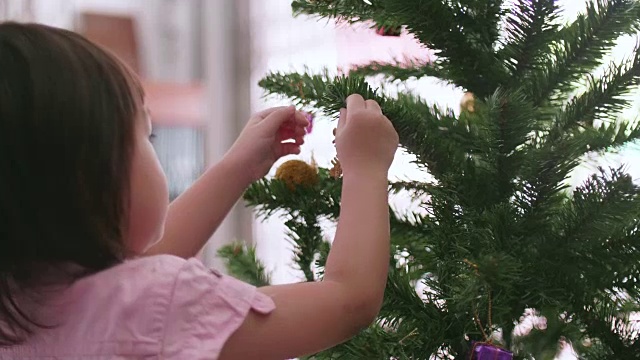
(310, 117)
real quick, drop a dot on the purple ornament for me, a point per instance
(485, 351)
(309, 117)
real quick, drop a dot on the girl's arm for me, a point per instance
(311, 317)
(196, 214)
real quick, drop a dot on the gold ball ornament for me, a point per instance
(297, 173)
(468, 102)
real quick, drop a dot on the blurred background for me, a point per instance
(201, 60)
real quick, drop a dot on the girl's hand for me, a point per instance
(268, 136)
(366, 141)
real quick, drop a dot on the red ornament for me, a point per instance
(389, 31)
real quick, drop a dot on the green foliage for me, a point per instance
(304, 207)
(402, 70)
(531, 26)
(580, 47)
(499, 231)
(243, 264)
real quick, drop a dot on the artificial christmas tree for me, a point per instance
(500, 233)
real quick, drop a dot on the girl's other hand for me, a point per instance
(366, 141)
(268, 136)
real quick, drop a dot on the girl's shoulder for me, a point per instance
(170, 287)
(191, 308)
(132, 278)
(159, 306)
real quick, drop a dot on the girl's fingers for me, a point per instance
(286, 133)
(276, 119)
(301, 119)
(266, 112)
(285, 149)
(373, 105)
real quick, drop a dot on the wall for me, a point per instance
(228, 61)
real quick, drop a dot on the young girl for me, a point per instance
(94, 262)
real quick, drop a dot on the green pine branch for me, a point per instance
(596, 351)
(416, 188)
(512, 118)
(543, 181)
(607, 321)
(323, 91)
(540, 192)
(374, 342)
(435, 136)
(242, 263)
(321, 262)
(543, 343)
(584, 229)
(604, 98)
(549, 164)
(561, 150)
(627, 278)
(603, 200)
(530, 26)
(271, 195)
(268, 196)
(483, 18)
(402, 70)
(408, 234)
(581, 47)
(422, 322)
(306, 235)
(454, 30)
(607, 137)
(349, 11)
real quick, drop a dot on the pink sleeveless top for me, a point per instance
(159, 307)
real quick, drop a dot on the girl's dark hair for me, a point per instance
(67, 117)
